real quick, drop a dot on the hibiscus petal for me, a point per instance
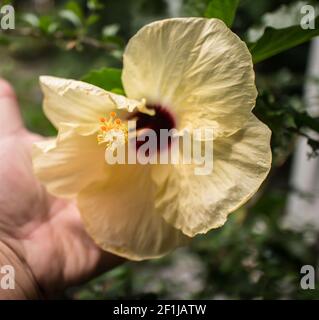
(70, 101)
(119, 215)
(69, 163)
(197, 67)
(241, 163)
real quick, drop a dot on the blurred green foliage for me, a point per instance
(252, 256)
(222, 9)
(106, 78)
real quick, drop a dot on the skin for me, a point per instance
(40, 235)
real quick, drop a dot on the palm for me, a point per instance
(44, 231)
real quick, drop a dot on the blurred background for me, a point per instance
(258, 254)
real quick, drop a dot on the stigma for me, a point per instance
(113, 132)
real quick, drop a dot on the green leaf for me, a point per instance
(110, 30)
(106, 78)
(31, 19)
(92, 19)
(48, 25)
(275, 41)
(284, 17)
(303, 119)
(95, 5)
(75, 8)
(71, 17)
(222, 9)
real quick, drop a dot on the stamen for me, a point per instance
(113, 132)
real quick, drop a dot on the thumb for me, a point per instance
(10, 116)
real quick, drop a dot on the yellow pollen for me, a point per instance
(112, 131)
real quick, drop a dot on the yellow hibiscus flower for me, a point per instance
(177, 73)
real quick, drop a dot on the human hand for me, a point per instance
(42, 236)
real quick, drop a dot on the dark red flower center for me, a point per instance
(162, 119)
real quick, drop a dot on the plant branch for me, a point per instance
(60, 36)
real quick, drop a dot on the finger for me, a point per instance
(10, 116)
